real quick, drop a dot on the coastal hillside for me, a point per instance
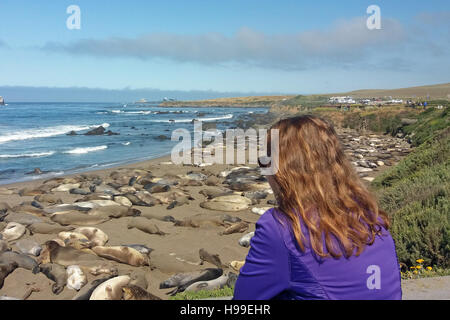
(438, 91)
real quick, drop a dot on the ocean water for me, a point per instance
(34, 135)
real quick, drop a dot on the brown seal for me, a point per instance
(132, 292)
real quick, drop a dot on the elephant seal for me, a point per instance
(47, 228)
(230, 219)
(22, 260)
(132, 292)
(4, 246)
(13, 231)
(140, 247)
(113, 212)
(211, 258)
(213, 193)
(5, 270)
(86, 292)
(22, 218)
(4, 207)
(111, 289)
(225, 280)
(78, 218)
(245, 239)
(48, 198)
(183, 280)
(237, 265)
(227, 203)
(76, 240)
(122, 254)
(96, 236)
(144, 225)
(29, 209)
(76, 279)
(29, 246)
(56, 273)
(235, 228)
(123, 201)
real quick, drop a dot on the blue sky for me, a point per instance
(226, 46)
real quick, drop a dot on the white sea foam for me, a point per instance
(86, 150)
(126, 143)
(227, 116)
(27, 155)
(45, 132)
(131, 112)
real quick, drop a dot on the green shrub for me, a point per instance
(204, 294)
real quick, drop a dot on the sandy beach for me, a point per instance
(161, 184)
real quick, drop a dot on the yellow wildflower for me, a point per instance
(412, 267)
(415, 272)
(429, 268)
(418, 267)
(420, 260)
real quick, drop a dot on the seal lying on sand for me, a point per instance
(96, 236)
(5, 270)
(235, 228)
(22, 260)
(76, 278)
(151, 215)
(245, 239)
(132, 292)
(227, 203)
(29, 246)
(78, 218)
(47, 228)
(225, 280)
(111, 289)
(56, 273)
(237, 265)
(22, 218)
(86, 292)
(183, 280)
(144, 225)
(211, 258)
(13, 231)
(140, 247)
(122, 254)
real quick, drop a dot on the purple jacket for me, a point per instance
(276, 268)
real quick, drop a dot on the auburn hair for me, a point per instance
(319, 188)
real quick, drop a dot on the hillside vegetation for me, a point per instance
(416, 192)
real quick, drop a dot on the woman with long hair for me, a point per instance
(327, 239)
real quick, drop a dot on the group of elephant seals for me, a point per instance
(133, 292)
(86, 292)
(183, 280)
(96, 236)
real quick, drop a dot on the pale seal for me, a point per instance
(13, 231)
(96, 236)
(76, 278)
(245, 239)
(122, 254)
(86, 291)
(227, 203)
(111, 289)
